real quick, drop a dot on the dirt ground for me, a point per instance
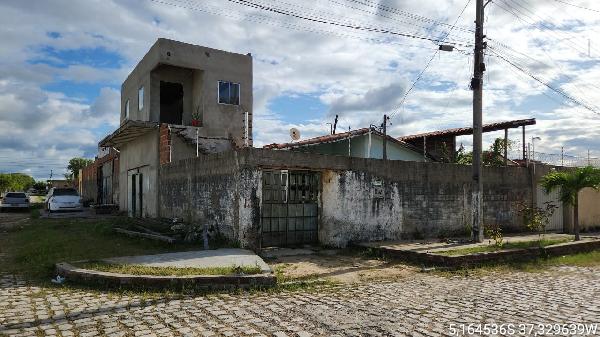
(339, 266)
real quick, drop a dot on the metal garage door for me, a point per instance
(290, 208)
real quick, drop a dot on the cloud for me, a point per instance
(359, 75)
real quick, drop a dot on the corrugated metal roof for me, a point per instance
(469, 130)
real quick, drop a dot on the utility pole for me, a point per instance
(477, 87)
(384, 125)
(334, 124)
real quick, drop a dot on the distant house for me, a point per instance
(99, 181)
(361, 143)
(441, 145)
(59, 183)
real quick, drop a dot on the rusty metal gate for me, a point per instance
(289, 208)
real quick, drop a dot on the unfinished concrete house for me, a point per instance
(180, 101)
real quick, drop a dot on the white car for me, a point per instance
(63, 199)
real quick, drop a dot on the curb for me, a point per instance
(211, 282)
(439, 260)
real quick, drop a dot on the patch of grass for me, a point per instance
(506, 246)
(589, 259)
(33, 248)
(169, 271)
(35, 213)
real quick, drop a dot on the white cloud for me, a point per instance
(356, 77)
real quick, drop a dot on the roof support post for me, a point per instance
(524, 149)
(505, 147)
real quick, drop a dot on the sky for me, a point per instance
(62, 63)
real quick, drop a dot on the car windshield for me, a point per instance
(15, 195)
(65, 191)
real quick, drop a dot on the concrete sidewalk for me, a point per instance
(225, 257)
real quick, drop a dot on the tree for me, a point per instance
(571, 182)
(76, 164)
(15, 182)
(40, 185)
(492, 157)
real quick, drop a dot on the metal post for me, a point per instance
(349, 147)
(424, 148)
(197, 149)
(477, 87)
(562, 156)
(369, 148)
(589, 162)
(524, 144)
(246, 127)
(505, 147)
(384, 137)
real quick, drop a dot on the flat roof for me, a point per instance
(469, 130)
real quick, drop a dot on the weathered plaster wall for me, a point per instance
(361, 199)
(217, 190)
(361, 206)
(141, 154)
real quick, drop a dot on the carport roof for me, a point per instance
(469, 130)
(127, 132)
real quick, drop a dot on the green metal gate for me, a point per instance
(290, 211)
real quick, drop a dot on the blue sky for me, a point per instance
(61, 70)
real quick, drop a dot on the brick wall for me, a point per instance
(164, 148)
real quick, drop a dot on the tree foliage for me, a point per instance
(492, 157)
(75, 164)
(15, 182)
(570, 183)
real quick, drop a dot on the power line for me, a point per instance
(273, 22)
(540, 26)
(537, 79)
(578, 6)
(336, 23)
(428, 63)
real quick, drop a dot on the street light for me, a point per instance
(533, 139)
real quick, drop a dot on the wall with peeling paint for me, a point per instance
(215, 190)
(360, 199)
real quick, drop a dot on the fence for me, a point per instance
(557, 159)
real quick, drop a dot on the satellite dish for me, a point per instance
(295, 133)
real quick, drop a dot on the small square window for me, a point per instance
(229, 93)
(127, 109)
(141, 98)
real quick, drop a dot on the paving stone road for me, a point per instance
(419, 305)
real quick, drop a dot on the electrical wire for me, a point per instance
(578, 6)
(427, 65)
(539, 80)
(322, 20)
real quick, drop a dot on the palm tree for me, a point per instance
(571, 182)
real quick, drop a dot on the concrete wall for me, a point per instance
(141, 154)
(199, 69)
(361, 199)
(589, 209)
(216, 190)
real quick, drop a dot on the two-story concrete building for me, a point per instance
(180, 101)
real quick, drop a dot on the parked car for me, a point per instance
(63, 199)
(14, 200)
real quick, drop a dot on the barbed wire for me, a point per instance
(556, 159)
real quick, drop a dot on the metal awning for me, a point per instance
(127, 132)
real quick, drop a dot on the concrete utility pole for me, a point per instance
(477, 87)
(385, 118)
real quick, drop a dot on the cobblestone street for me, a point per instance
(419, 305)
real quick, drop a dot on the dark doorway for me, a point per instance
(171, 103)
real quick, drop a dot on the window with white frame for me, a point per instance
(127, 109)
(229, 93)
(141, 98)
